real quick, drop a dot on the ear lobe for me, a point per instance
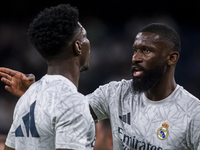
(173, 58)
(77, 48)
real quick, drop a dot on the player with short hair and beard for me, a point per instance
(150, 111)
(52, 114)
(150, 76)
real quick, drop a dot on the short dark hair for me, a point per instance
(53, 29)
(166, 32)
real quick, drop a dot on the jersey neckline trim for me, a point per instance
(165, 100)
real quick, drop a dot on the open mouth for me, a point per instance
(137, 71)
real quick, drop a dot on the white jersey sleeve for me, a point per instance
(10, 140)
(98, 100)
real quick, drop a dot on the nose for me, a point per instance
(137, 57)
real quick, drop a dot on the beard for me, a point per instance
(148, 79)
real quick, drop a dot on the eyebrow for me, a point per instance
(142, 46)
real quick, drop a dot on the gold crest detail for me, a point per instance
(163, 132)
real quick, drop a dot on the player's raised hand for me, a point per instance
(16, 82)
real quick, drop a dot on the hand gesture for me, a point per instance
(16, 82)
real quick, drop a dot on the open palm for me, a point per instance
(16, 82)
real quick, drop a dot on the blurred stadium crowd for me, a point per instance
(111, 53)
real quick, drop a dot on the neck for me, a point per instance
(66, 68)
(162, 89)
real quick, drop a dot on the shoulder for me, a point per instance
(123, 82)
(188, 101)
(74, 98)
(51, 85)
(57, 91)
(113, 91)
(187, 96)
(112, 88)
(114, 85)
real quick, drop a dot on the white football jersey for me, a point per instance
(141, 124)
(52, 115)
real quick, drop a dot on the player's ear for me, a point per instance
(172, 58)
(77, 47)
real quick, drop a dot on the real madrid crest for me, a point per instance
(163, 132)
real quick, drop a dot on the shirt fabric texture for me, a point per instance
(141, 124)
(51, 115)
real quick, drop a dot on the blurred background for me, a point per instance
(111, 27)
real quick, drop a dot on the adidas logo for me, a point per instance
(29, 123)
(126, 118)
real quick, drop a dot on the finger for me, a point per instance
(5, 75)
(8, 71)
(8, 88)
(6, 81)
(30, 77)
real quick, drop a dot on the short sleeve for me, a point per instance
(98, 100)
(10, 140)
(71, 120)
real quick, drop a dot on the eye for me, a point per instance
(147, 51)
(135, 51)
